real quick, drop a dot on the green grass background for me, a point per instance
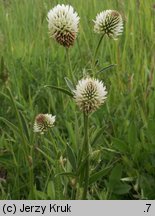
(123, 150)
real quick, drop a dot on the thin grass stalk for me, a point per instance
(73, 194)
(24, 141)
(86, 148)
(18, 118)
(70, 66)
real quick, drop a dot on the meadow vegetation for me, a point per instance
(122, 131)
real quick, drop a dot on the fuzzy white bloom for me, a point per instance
(43, 122)
(109, 22)
(90, 94)
(63, 24)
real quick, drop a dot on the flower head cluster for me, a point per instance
(63, 24)
(109, 22)
(90, 94)
(43, 122)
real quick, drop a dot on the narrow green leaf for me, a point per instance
(115, 175)
(82, 165)
(51, 190)
(106, 68)
(13, 102)
(10, 125)
(96, 176)
(121, 188)
(25, 126)
(97, 136)
(69, 84)
(40, 195)
(65, 174)
(110, 150)
(71, 157)
(59, 89)
(20, 106)
(58, 182)
(71, 133)
(120, 145)
(6, 158)
(45, 155)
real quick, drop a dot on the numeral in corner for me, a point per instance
(148, 207)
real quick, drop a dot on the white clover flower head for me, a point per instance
(109, 22)
(43, 122)
(63, 24)
(90, 94)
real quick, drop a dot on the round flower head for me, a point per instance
(109, 22)
(43, 122)
(63, 24)
(90, 93)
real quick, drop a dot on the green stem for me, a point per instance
(32, 195)
(86, 148)
(97, 48)
(73, 195)
(70, 65)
